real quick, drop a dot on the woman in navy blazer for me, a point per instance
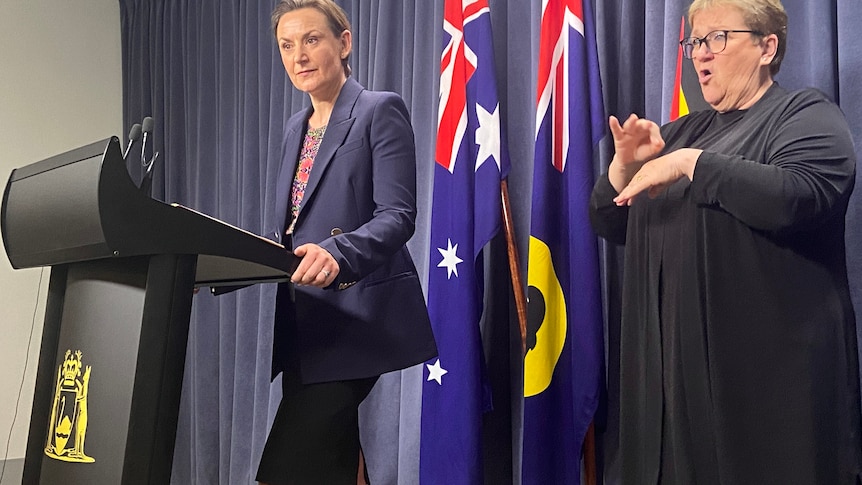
(346, 205)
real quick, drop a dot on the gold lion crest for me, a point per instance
(68, 427)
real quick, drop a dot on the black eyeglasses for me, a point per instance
(714, 41)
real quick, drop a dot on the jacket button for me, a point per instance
(335, 231)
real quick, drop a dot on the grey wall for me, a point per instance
(60, 88)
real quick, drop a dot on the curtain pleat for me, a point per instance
(209, 74)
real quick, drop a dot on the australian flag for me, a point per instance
(471, 160)
(563, 366)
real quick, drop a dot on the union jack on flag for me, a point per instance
(563, 365)
(471, 161)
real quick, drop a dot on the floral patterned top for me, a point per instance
(306, 160)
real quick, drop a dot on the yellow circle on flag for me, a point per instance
(540, 361)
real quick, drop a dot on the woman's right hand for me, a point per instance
(636, 141)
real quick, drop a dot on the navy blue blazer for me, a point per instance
(360, 205)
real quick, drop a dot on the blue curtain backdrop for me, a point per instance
(208, 73)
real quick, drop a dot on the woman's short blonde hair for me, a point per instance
(335, 17)
(765, 16)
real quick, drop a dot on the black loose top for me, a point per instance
(738, 339)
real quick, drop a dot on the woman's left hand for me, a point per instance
(657, 174)
(317, 267)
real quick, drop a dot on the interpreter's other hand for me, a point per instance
(316, 268)
(636, 140)
(656, 175)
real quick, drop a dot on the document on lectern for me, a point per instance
(224, 275)
(270, 241)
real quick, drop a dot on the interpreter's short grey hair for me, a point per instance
(766, 16)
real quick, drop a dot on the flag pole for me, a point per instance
(590, 454)
(514, 265)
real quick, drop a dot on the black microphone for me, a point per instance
(147, 180)
(147, 128)
(134, 135)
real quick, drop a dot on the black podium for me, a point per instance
(116, 322)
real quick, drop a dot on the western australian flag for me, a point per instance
(471, 161)
(563, 366)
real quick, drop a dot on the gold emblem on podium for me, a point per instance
(68, 426)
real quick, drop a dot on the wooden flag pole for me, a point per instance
(590, 454)
(521, 306)
(514, 265)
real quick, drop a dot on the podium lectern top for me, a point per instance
(82, 205)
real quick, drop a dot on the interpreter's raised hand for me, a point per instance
(656, 175)
(316, 268)
(636, 140)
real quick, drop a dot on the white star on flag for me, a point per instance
(435, 372)
(488, 135)
(450, 259)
